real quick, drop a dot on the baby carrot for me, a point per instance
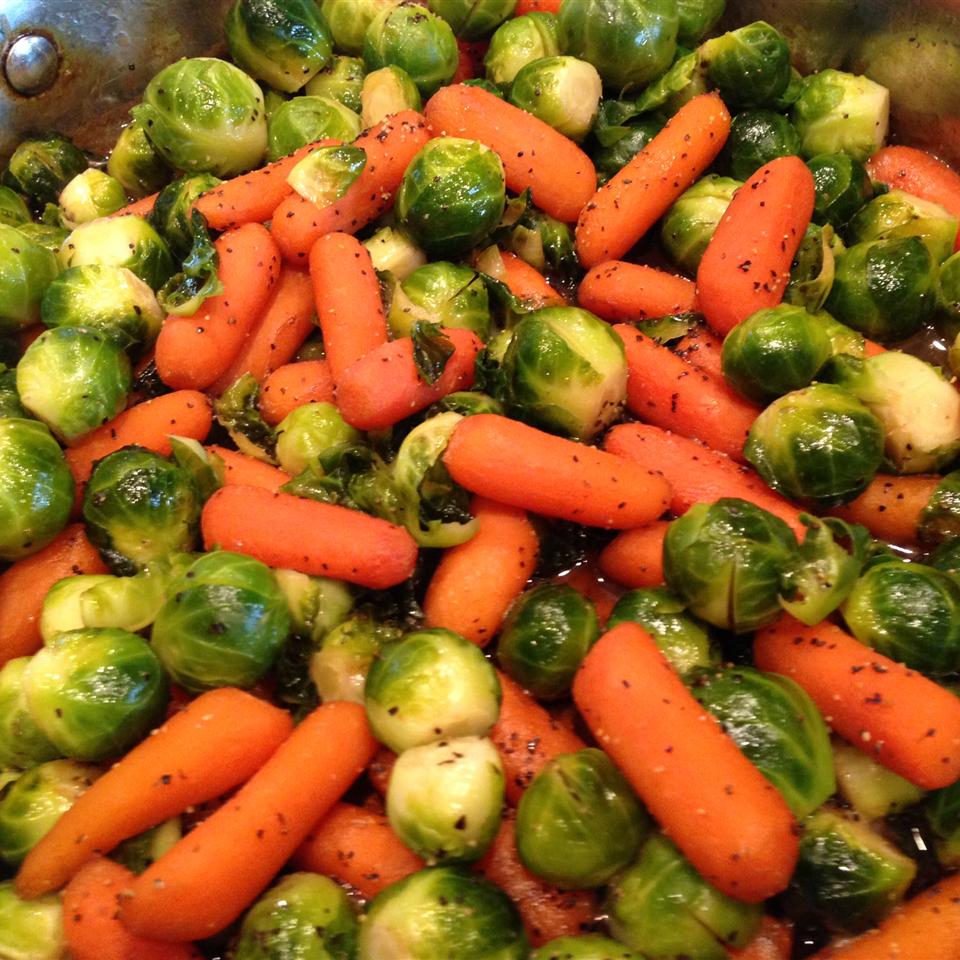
(194, 352)
(618, 291)
(470, 62)
(902, 719)
(555, 477)
(531, 6)
(475, 582)
(528, 284)
(208, 878)
(632, 201)
(560, 176)
(241, 470)
(347, 296)
(316, 538)
(380, 770)
(139, 208)
(746, 265)
(358, 848)
(216, 742)
(294, 384)
(890, 507)
(726, 818)
(703, 349)
(634, 558)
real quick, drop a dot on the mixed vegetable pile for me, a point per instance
(462, 496)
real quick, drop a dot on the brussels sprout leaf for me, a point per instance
(682, 78)
(184, 293)
(206, 468)
(612, 119)
(326, 174)
(238, 412)
(431, 350)
(675, 326)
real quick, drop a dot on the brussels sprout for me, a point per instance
(848, 876)
(171, 214)
(579, 822)
(30, 929)
(205, 115)
(95, 693)
(563, 92)
(143, 850)
(304, 915)
(683, 641)
(546, 635)
(939, 520)
(662, 907)
(22, 744)
(393, 251)
(61, 606)
(342, 80)
(316, 604)
(223, 624)
(309, 430)
(518, 42)
(757, 137)
(13, 209)
(349, 19)
(418, 41)
(839, 112)
(899, 214)
(339, 668)
(467, 403)
(324, 175)
(813, 268)
(237, 410)
(304, 120)
(473, 19)
(943, 813)
(444, 798)
(592, 946)
(546, 244)
(750, 66)
(680, 84)
(43, 166)
(842, 185)
(697, 18)
(89, 195)
(774, 351)
(452, 195)
(818, 444)
(135, 162)
(870, 788)
(948, 288)
(10, 405)
(36, 801)
(49, 237)
(442, 912)
(441, 292)
(387, 91)
(630, 42)
(432, 684)
(690, 223)
(26, 269)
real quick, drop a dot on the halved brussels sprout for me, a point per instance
(348, 20)
(26, 270)
(900, 214)
(750, 66)
(13, 209)
(543, 242)
(316, 604)
(473, 19)
(393, 251)
(342, 79)
(144, 849)
(520, 41)
(387, 91)
(303, 120)
(869, 787)
(757, 137)
(842, 185)
(939, 521)
(591, 946)
(41, 167)
(31, 929)
(307, 432)
(339, 668)
(22, 743)
(172, 213)
(89, 195)
(690, 223)
(134, 161)
(563, 92)
(444, 293)
(697, 18)
(813, 268)
(61, 606)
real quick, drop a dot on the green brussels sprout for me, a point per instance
(545, 636)
(134, 161)
(37, 488)
(452, 195)
(61, 606)
(520, 41)
(51, 238)
(442, 912)
(473, 19)
(348, 20)
(870, 788)
(13, 209)
(223, 623)
(304, 915)
(690, 223)
(591, 946)
(842, 187)
(757, 137)
(774, 351)
(630, 42)
(342, 79)
(543, 242)
(111, 300)
(579, 822)
(750, 66)
(387, 91)
(43, 166)
(818, 444)
(697, 18)
(778, 728)
(467, 403)
(304, 120)
(36, 801)
(10, 405)
(30, 929)
(730, 561)
(95, 693)
(171, 214)
(939, 520)
(316, 604)
(813, 268)
(22, 743)
(430, 685)
(946, 557)
(943, 814)
(563, 92)
(948, 288)
(309, 430)
(325, 174)
(144, 849)
(205, 115)
(418, 41)
(339, 668)
(393, 251)
(565, 371)
(444, 798)
(662, 907)
(89, 195)
(839, 112)
(26, 270)
(848, 876)
(441, 292)
(683, 641)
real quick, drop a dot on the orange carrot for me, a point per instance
(547, 911)
(527, 737)
(381, 769)
(919, 173)
(241, 470)
(139, 208)
(617, 291)
(470, 63)
(347, 295)
(554, 477)
(531, 6)
(890, 507)
(390, 146)
(208, 878)
(632, 201)
(286, 322)
(91, 919)
(316, 538)
(724, 815)
(476, 582)
(696, 473)
(385, 386)
(588, 579)
(871, 349)
(665, 390)
(902, 719)
(746, 265)
(703, 349)
(183, 413)
(194, 352)
(634, 558)
(24, 585)
(203, 751)
(773, 941)
(926, 927)
(528, 284)
(358, 848)
(293, 385)
(559, 175)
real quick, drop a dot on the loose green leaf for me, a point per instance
(432, 348)
(326, 174)
(184, 293)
